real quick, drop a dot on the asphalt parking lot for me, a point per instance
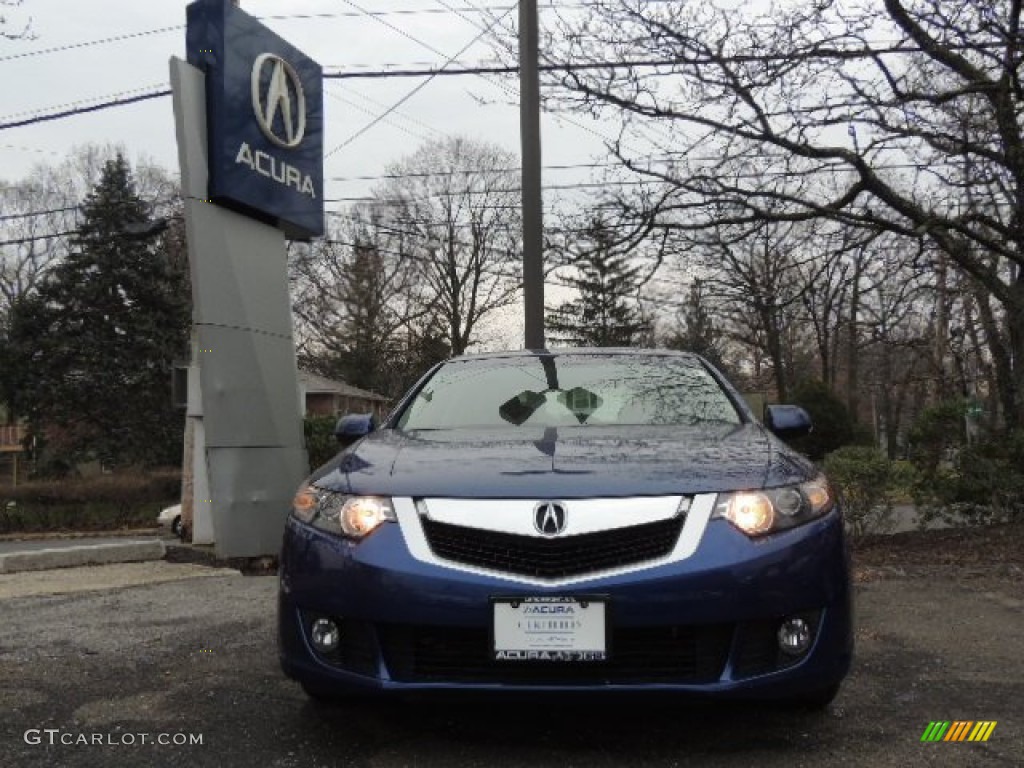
(196, 657)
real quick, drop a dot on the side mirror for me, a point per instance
(353, 426)
(787, 420)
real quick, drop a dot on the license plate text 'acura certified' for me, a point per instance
(549, 629)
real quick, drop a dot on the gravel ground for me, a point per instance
(939, 638)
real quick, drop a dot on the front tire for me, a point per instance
(320, 697)
(815, 701)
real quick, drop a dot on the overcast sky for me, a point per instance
(342, 38)
(87, 51)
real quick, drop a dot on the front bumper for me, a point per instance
(706, 624)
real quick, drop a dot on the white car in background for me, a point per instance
(171, 516)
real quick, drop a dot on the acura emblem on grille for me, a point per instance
(549, 518)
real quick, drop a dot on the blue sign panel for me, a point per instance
(264, 101)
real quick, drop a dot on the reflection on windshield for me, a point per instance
(569, 390)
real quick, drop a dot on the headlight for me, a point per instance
(775, 509)
(353, 516)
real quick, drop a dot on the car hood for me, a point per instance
(567, 462)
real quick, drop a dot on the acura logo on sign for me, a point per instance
(549, 518)
(283, 96)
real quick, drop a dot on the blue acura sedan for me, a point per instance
(612, 520)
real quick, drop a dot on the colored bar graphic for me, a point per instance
(982, 730)
(958, 730)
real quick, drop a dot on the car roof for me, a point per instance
(623, 351)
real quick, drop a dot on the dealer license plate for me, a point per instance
(549, 629)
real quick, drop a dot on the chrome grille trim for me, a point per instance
(697, 518)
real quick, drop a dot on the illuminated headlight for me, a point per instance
(352, 516)
(775, 509)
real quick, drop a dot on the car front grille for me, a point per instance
(556, 557)
(668, 654)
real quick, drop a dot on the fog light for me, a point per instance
(325, 635)
(794, 636)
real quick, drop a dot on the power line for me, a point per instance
(121, 99)
(33, 214)
(277, 17)
(431, 72)
(553, 167)
(178, 27)
(35, 238)
(29, 149)
(115, 102)
(356, 105)
(482, 71)
(498, 191)
(392, 12)
(515, 90)
(468, 172)
(415, 90)
(388, 66)
(128, 92)
(554, 187)
(549, 279)
(90, 43)
(404, 115)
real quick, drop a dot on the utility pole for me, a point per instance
(533, 215)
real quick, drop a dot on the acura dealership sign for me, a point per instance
(265, 118)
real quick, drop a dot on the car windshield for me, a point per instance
(569, 390)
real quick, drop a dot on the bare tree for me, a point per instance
(457, 202)
(38, 216)
(897, 314)
(899, 115)
(758, 277)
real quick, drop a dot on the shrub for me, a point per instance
(320, 441)
(868, 482)
(936, 433)
(982, 483)
(833, 427)
(96, 503)
(903, 479)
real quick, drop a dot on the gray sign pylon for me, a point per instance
(245, 416)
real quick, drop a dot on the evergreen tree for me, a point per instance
(363, 351)
(359, 306)
(697, 332)
(833, 427)
(95, 345)
(605, 313)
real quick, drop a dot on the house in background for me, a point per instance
(321, 396)
(12, 451)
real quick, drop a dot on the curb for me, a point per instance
(71, 557)
(83, 536)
